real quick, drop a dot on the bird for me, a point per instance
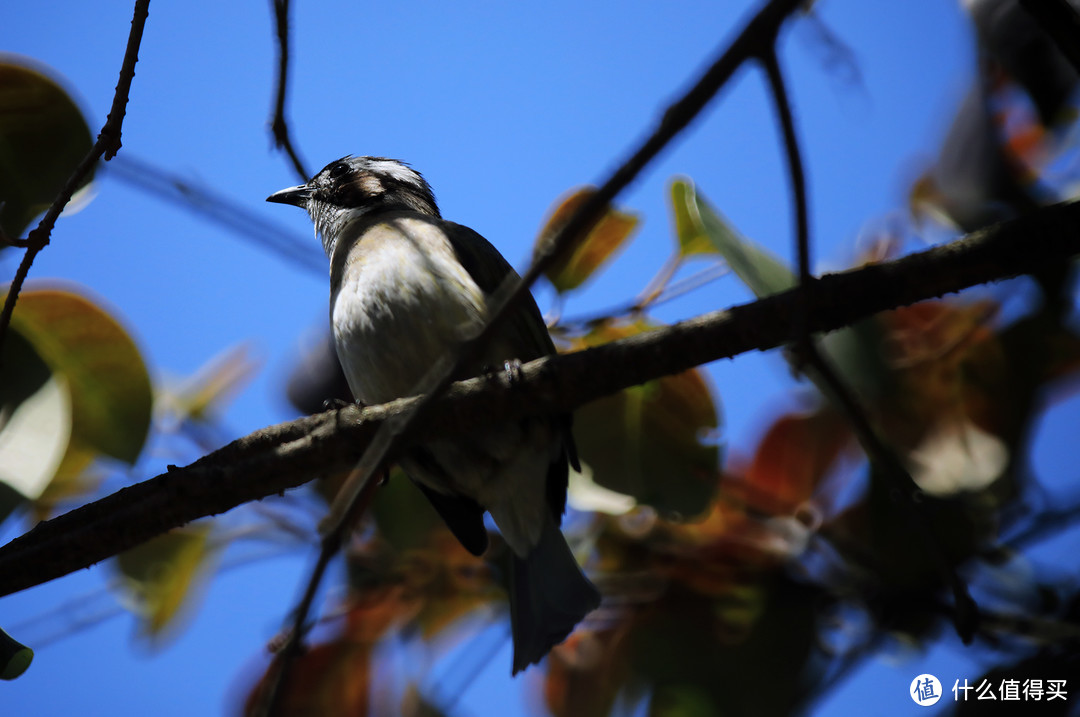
(406, 288)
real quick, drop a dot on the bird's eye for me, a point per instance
(339, 170)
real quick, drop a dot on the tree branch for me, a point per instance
(107, 145)
(281, 457)
(891, 469)
(279, 126)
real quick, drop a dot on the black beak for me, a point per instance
(297, 196)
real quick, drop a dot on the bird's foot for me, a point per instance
(514, 375)
(335, 404)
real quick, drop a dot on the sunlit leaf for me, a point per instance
(159, 575)
(656, 442)
(957, 456)
(35, 421)
(110, 388)
(701, 229)
(585, 494)
(43, 137)
(15, 657)
(573, 267)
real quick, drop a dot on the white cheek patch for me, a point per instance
(371, 185)
(396, 170)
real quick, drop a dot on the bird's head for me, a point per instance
(352, 187)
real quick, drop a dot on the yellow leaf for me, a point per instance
(700, 229)
(159, 575)
(215, 383)
(110, 387)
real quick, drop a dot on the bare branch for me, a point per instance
(107, 145)
(279, 126)
(281, 457)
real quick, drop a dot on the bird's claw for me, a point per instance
(514, 374)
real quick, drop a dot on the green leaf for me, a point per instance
(43, 137)
(159, 575)
(110, 387)
(655, 442)
(701, 229)
(403, 515)
(15, 657)
(573, 267)
(35, 422)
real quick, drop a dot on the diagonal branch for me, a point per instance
(285, 456)
(107, 145)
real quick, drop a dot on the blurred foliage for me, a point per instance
(747, 589)
(15, 658)
(159, 576)
(80, 391)
(572, 268)
(43, 137)
(656, 442)
(793, 560)
(76, 398)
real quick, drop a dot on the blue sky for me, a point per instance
(503, 107)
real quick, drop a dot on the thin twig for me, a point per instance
(106, 146)
(906, 493)
(279, 126)
(293, 647)
(673, 291)
(233, 215)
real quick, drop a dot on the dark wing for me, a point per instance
(463, 516)
(488, 268)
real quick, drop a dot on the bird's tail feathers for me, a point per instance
(549, 595)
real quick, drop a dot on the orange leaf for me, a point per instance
(574, 265)
(793, 457)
